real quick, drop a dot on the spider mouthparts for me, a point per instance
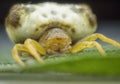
(56, 39)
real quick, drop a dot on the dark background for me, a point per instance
(104, 9)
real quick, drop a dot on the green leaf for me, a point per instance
(87, 62)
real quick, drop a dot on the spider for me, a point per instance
(50, 28)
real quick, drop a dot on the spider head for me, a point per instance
(56, 40)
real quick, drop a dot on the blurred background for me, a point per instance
(107, 12)
(104, 9)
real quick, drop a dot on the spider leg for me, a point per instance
(16, 55)
(34, 49)
(31, 47)
(87, 44)
(103, 38)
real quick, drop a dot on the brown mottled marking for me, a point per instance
(13, 19)
(92, 20)
(44, 25)
(54, 24)
(36, 29)
(13, 16)
(73, 30)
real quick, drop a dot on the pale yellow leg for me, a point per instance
(34, 49)
(87, 44)
(31, 47)
(16, 55)
(101, 37)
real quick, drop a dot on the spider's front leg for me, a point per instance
(30, 46)
(90, 42)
